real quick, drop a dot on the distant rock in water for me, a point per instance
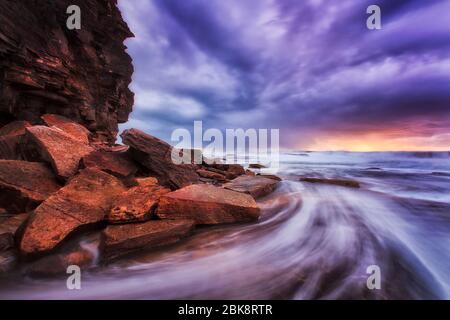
(80, 74)
(337, 182)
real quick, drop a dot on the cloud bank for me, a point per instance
(310, 68)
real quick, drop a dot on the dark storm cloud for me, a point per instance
(302, 66)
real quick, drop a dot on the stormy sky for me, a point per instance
(310, 68)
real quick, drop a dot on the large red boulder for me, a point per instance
(73, 129)
(119, 164)
(124, 239)
(207, 204)
(24, 185)
(256, 186)
(60, 149)
(156, 155)
(138, 203)
(84, 202)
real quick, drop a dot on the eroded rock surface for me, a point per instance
(257, 186)
(207, 204)
(156, 155)
(83, 202)
(24, 185)
(80, 74)
(124, 239)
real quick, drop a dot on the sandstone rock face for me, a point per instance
(137, 204)
(256, 186)
(207, 204)
(61, 150)
(10, 138)
(24, 185)
(156, 155)
(83, 202)
(124, 239)
(119, 164)
(46, 68)
(73, 129)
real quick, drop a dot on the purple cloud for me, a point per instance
(306, 67)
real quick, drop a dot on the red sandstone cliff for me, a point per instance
(46, 68)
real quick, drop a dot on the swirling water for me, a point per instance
(314, 241)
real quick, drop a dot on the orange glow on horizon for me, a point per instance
(380, 142)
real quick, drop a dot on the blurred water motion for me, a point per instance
(314, 241)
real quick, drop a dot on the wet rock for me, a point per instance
(82, 252)
(124, 239)
(119, 164)
(8, 260)
(250, 173)
(156, 155)
(10, 138)
(24, 185)
(337, 182)
(211, 175)
(73, 129)
(256, 166)
(80, 74)
(231, 171)
(58, 148)
(270, 176)
(138, 203)
(256, 186)
(8, 230)
(207, 204)
(57, 264)
(83, 203)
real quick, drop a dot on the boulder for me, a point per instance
(124, 239)
(336, 182)
(83, 203)
(82, 252)
(8, 230)
(211, 175)
(138, 203)
(207, 204)
(156, 155)
(73, 129)
(58, 148)
(230, 171)
(119, 164)
(256, 186)
(10, 138)
(270, 176)
(256, 166)
(24, 185)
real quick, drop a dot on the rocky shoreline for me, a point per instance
(56, 185)
(62, 95)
